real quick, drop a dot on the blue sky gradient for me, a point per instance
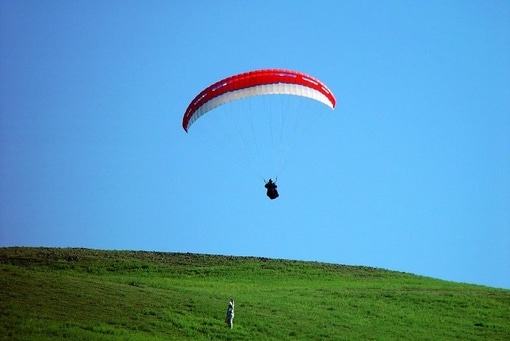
(410, 172)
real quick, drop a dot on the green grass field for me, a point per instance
(50, 293)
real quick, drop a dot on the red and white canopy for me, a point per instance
(255, 83)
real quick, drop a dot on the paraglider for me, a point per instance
(272, 192)
(257, 83)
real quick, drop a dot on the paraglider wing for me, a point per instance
(254, 83)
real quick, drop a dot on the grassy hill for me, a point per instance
(48, 293)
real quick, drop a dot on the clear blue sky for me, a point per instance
(411, 171)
